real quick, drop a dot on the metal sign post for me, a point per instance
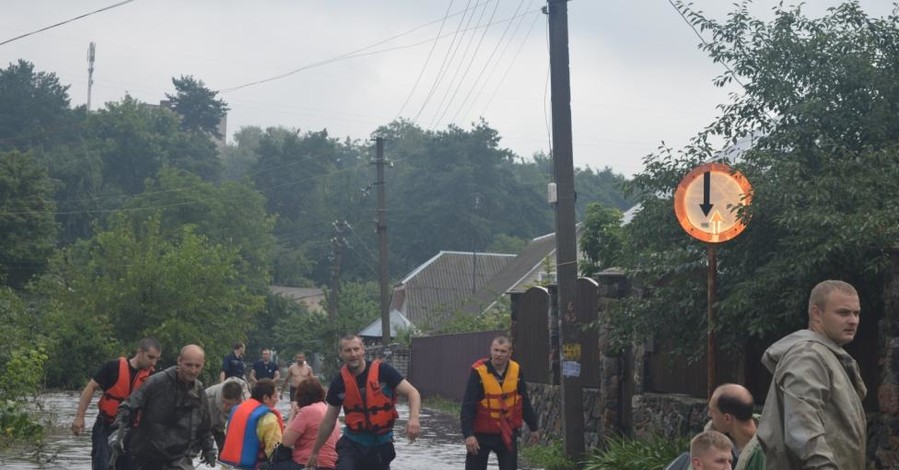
(705, 203)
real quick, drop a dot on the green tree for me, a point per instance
(34, 108)
(200, 109)
(27, 229)
(819, 108)
(132, 281)
(230, 214)
(603, 241)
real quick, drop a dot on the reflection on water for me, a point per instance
(439, 447)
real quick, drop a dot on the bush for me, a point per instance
(652, 453)
(549, 457)
(16, 424)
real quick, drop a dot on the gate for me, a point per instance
(531, 335)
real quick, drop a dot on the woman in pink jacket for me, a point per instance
(303, 428)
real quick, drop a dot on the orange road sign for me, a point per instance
(706, 199)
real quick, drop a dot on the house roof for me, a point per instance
(311, 297)
(432, 292)
(398, 321)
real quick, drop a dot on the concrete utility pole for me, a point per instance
(566, 236)
(381, 227)
(338, 243)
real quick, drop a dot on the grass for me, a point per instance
(443, 405)
(547, 456)
(652, 453)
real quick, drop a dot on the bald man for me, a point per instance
(174, 418)
(731, 412)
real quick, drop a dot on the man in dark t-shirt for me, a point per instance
(265, 368)
(116, 388)
(232, 364)
(370, 444)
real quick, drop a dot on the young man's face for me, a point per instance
(266, 355)
(301, 359)
(500, 353)
(714, 459)
(147, 359)
(839, 318)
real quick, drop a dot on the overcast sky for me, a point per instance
(637, 76)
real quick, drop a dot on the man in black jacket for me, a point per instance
(174, 418)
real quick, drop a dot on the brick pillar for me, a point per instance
(616, 380)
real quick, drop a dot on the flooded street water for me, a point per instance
(439, 447)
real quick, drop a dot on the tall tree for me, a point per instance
(200, 109)
(132, 281)
(820, 106)
(27, 228)
(34, 108)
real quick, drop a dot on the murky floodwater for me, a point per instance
(439, 447)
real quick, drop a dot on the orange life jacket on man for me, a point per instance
(377, 413)
(501, 409)
(124, 386)
(242, 447)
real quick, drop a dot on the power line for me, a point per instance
(488, 62)
(442, 70)
(427, 60)
(65, 22)
(450, 86)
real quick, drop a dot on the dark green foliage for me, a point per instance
(649, 453)
(34, 108)
(603, 241)
(197, 105)
(27, 230)
(548, 457)
(820, 102)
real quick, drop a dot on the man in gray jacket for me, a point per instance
(813, 415)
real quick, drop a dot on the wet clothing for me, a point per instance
(122, 379)
(813, 415)
(174, 420)
(233, 366)
(362, 449)
(216, 415)
(306, 423)
(254, 430)
(366, 409)
(752, 457)
(265, 370)
(108, 377)
(476, 409)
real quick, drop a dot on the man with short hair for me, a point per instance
(265, 368)
(494, 407)
(232, 364)
(711, 450)
(367, 392)
(731, 412)
(296, 373)
(118, 379)
(160, 424)
(222, 398)
(254, 429)
(813, 415)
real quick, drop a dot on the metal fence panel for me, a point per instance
(440, 364)
(532, 338)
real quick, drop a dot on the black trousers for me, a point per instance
(354, 456)
(507, 459)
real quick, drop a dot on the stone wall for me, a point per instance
(547, 401)
(394, 354)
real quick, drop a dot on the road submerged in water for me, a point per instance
(438, 448)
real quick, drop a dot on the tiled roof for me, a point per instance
(430, 294)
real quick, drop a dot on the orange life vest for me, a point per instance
(242, 448)
(378, 412)
(124, 386)
(501, 408)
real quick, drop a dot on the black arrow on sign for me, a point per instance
(706, 206)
